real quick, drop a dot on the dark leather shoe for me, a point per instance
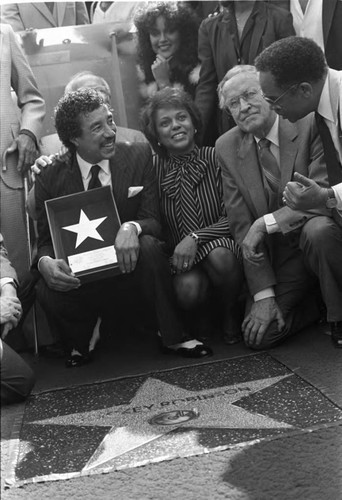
(75, 360)
(336, 333)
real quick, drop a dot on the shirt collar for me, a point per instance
(85, 166)
(328, 103)
(273, 134)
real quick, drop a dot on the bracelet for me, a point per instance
(195, 237)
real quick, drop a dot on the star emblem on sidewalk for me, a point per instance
(131, 427)
(85, 228)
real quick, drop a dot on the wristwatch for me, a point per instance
(331, 201)
(195, 237)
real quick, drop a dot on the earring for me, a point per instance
(158, 143)
(195, 130)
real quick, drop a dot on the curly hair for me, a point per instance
(168, 97)
(293, 59)
(68, 111)
(177, 17)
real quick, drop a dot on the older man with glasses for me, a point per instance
(257, 158)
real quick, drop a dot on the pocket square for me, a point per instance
(134, 190)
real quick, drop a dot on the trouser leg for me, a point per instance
(17, 378)
(156, 281)
(321, 243)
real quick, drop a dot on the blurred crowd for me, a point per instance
(229, 195)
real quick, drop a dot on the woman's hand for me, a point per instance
(184, 255)
(161, 72)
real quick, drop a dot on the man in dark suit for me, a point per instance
(278, 281)
(85, 126)
(236, 35)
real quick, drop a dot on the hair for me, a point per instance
(293, 60)
(177, 17)
(235, 70)
(74, 82)
(68, 111)
(167, 98)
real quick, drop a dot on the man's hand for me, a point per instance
(127, 247)
(261, 315)
(252, 240)
(184, 255)
(58, 275)
(27, 152)
(304, 194)
(40, 163)
(161, 71)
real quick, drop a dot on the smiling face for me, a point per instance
(252, 116)
(164, 41)
(97, 140)
(175, 130)
(293, 103)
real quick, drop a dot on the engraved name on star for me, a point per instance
(86, 228)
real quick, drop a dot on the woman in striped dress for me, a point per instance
(203, 253)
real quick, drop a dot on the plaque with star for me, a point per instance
(83, 228)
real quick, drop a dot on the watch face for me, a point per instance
(331, 203)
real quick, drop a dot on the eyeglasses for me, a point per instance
(248, 96)
(273, 102)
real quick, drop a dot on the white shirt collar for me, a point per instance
(273, 134)
(85, 166)
(328, 103)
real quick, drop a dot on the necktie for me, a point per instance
(94, 181)
(334, 168)
(269, 165)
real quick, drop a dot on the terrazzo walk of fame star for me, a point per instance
(186, 411)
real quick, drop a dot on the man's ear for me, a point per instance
(306, 89)
(74, 141)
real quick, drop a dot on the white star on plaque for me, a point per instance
(86, 228)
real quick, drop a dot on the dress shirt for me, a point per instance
(328, 108)
(309, 23)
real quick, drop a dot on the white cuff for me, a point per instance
(6, 281)
(338, 195)
(264, 294)
(271, 224)
(137, 225)
(44, 257)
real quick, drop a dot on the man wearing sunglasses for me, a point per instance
(296, 81)
(257, 158)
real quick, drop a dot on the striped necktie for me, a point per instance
(94, 180)
(269, 165)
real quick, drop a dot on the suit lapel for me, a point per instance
(251, 176)
(260, 22)
(288, 149)
(327, 17)
(120, 180)
(74, 180)
(43, 9)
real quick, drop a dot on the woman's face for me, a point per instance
(164, 41)
(175, 129)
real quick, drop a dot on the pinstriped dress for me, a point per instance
(191, 199)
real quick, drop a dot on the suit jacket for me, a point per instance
(332, 32)
(22, 16)
(217, 53)
(244, 194)
(15, 72)
(6, 268)
(130, 166)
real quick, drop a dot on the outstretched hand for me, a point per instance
(304, 194)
